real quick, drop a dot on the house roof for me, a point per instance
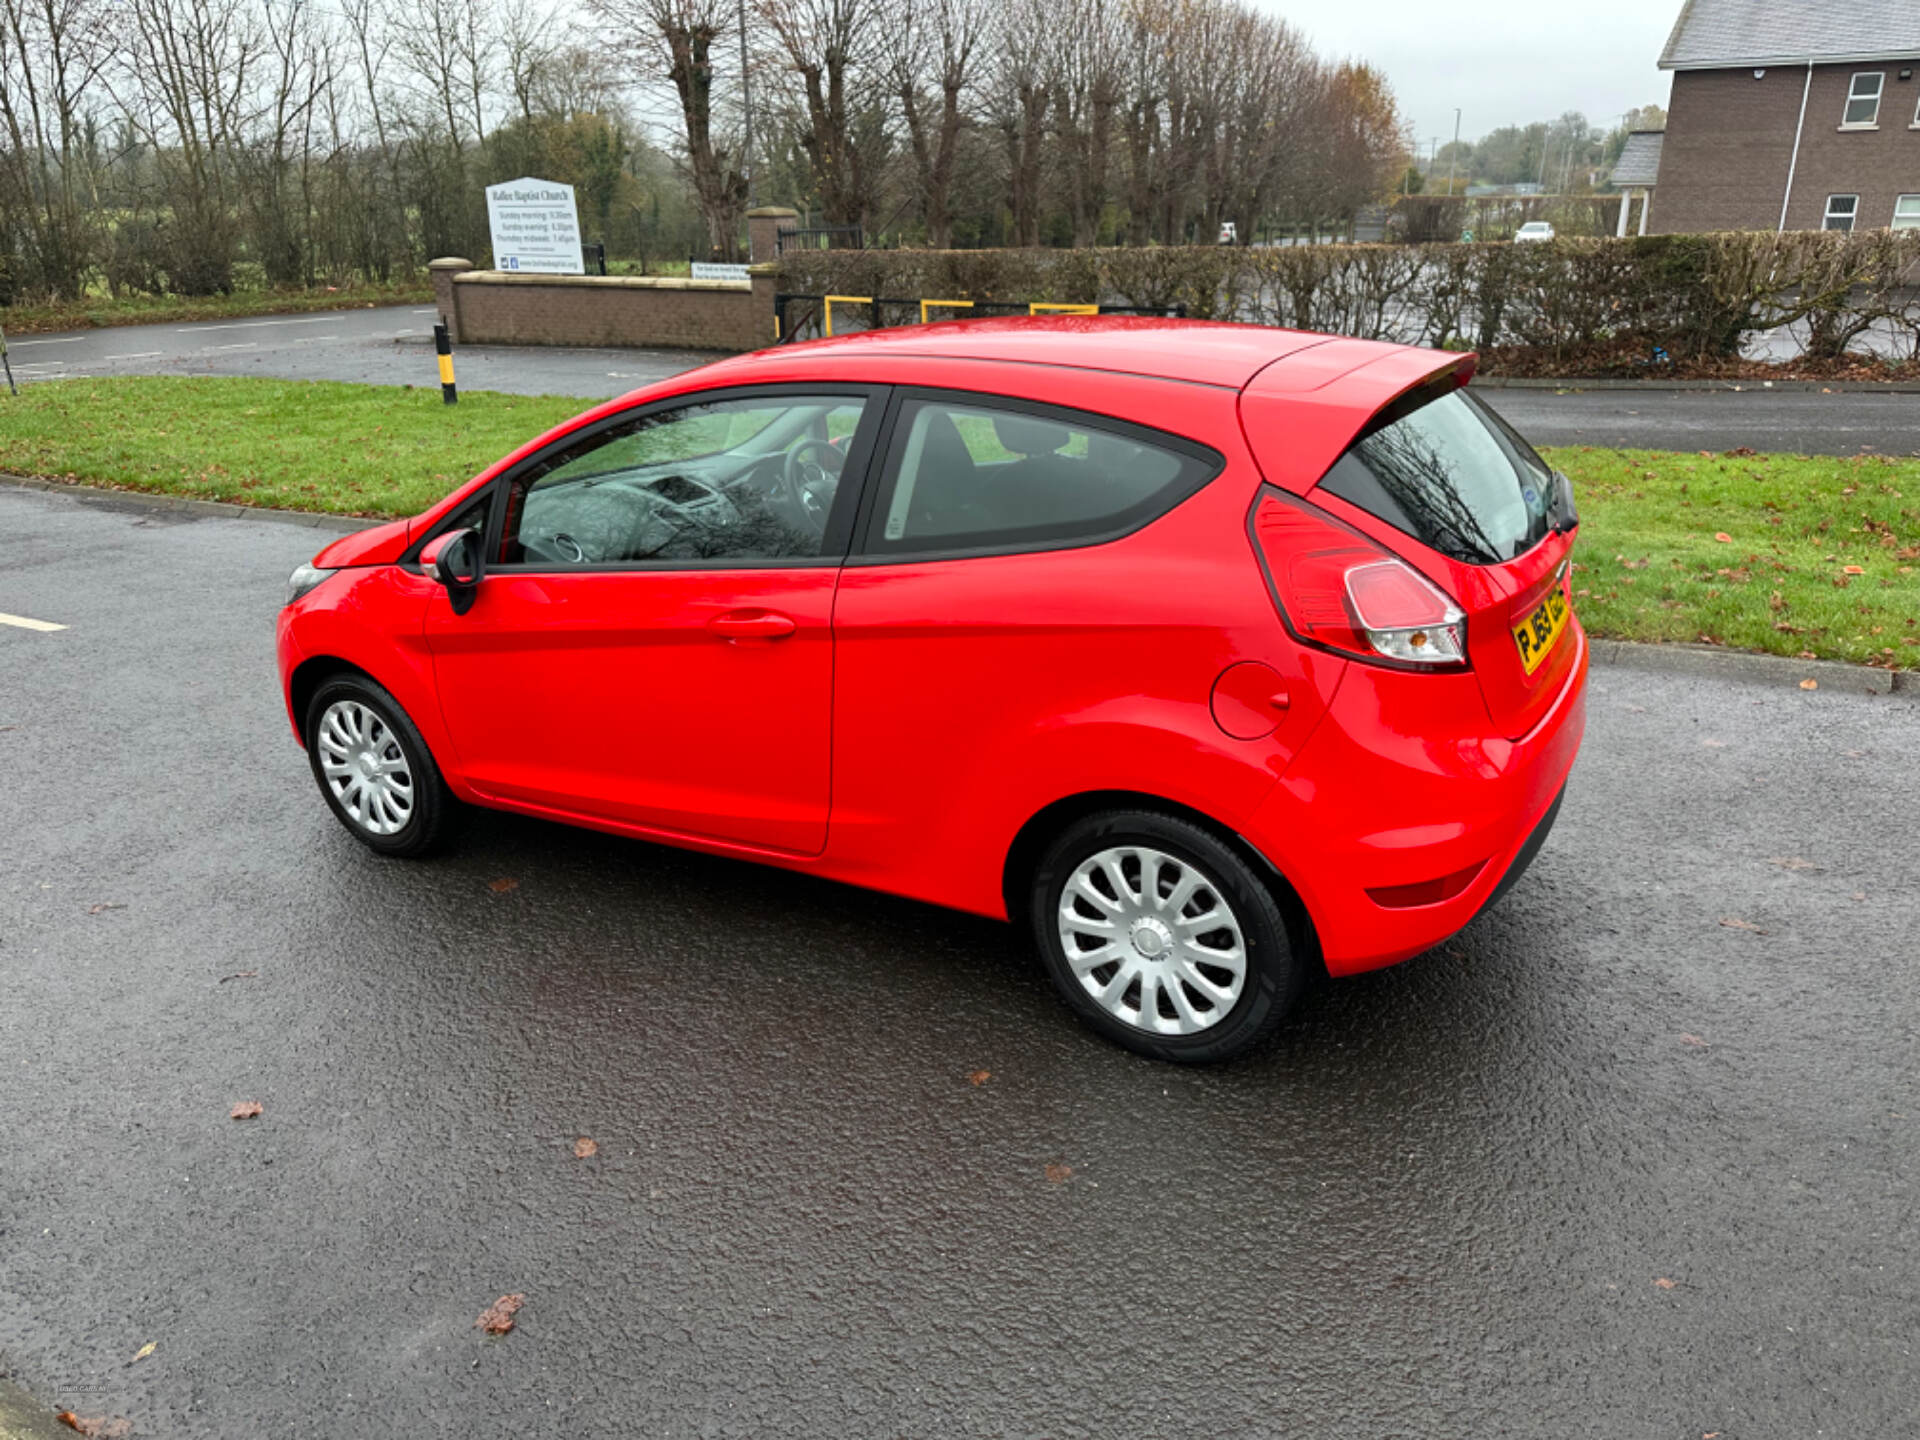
(1731, 34)
(1639, 162)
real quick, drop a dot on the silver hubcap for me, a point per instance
(365, 767)
(1152, 939)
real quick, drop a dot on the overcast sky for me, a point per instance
(1503, 62)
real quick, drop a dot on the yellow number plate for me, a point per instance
(1536, 634)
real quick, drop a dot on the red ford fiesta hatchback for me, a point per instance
(1214, 654)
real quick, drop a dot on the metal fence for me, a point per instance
(820, 237)
(810, 317)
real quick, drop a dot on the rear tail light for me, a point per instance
(1337, 589)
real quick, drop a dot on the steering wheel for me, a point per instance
(809, 484)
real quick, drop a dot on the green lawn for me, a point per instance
(100, 310)
(1791, 554)
(1651, 565)
(297, 445)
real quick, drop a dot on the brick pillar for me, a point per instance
(762, 225)
(766, 282)
(442, 272)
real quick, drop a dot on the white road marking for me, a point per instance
(253, 324)
(25, 624)
(426, 312)
(62, 340)
(143, 355)
(244, 345)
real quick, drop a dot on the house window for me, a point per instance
(1863, 100)
(1906, 213)
(1840, 212)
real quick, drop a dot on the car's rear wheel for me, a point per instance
(374, 771)
(1162, 937)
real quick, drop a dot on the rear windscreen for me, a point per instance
(1446, 470)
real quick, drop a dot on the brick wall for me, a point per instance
(488, 307)
(1730, 142)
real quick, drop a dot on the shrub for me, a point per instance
(1697, 297)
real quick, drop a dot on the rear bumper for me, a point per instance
(1406, 782)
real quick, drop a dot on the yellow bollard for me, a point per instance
(443, 346)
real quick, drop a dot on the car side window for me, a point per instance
(738, 480)
(970, 475)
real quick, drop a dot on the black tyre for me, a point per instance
(374, 771)
(1162, 938)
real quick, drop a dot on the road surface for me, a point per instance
(1636, 1155)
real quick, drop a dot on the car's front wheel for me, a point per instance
(1163, 938)
(374, 771)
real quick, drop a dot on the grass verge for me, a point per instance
(1810, 556)
(97, 311)
(1792, 555)
(286, 444)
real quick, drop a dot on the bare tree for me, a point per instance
(1023, 96)
(1086, 94)
(678, 37)
(832, 48)
(934, 50)
(52, 53)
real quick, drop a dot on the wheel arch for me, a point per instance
(307, 678)
(1040, 829)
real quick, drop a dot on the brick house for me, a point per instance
(1791, 114)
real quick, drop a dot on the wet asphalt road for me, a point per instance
(393, 346)
(1602, 1166)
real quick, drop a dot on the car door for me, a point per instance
(650, 642)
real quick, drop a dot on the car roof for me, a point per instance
(1201, 352)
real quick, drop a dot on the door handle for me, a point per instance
(752, 625)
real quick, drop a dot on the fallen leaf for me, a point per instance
(146, 1350)
(1732, 924)
(1859, 894)
(497, 1318)
(585, 1149)
(240, 975)
(1854, 754)
(247, 1110)
(1664, 1283)
(503, 885)
(1714, 744)
(1723, 537)
(1058, 1173)
(1792, 862)
(1695, 1041)
(1809, 684)
(105, 905)
(100, 1427)
(1854, 570)
(979, 1077)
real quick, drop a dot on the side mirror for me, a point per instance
(453, 560)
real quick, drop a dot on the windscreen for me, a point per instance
(1444, 469)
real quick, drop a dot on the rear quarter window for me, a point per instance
(973, 474)
(1446, 470)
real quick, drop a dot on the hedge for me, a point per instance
(1620, 301)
